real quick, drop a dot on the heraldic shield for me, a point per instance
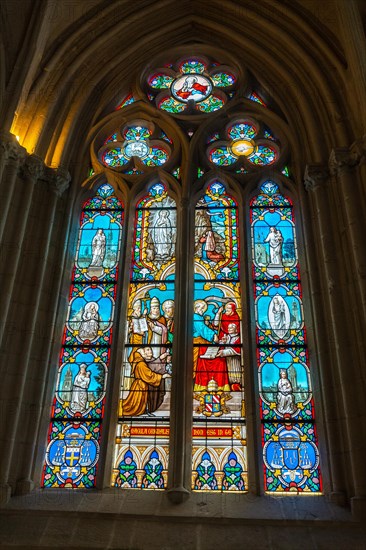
(71, 452)
(291, 458)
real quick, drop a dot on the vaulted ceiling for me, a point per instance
(64, 62)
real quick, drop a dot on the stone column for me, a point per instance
(181, 402)
(342, 331)
(343, 165)
(316, 183)
(12, 156)
(14, 236)
(359, 148)
(57, 182)
(15, 232)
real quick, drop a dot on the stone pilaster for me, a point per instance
(316, 183)
(31, 171)
(343, 164)
(14, 234)
(12, 156)
(56, 182)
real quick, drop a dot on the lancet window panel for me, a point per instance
(74, 435)
(290, 452)
(142, 440)
(219, 430)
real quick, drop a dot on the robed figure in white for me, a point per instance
(162, 235)
(79, 396)
(98, 249)
(285, 396)
(89, 326)
(275, 241)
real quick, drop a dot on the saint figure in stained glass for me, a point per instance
(79, 396)
(285, 396)
(89, 325)
(275, 241)
(78, 407)
(98, 249)
(146, 393)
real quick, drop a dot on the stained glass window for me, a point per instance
(192, 83)
(290, 452)
(254, 96)
(244, 144)
(192, 87)
(134, 142)
(219, 430)
(127, 100)
(142, 440)
(78, 406)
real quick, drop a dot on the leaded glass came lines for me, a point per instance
(141, 452)
(219, 430)
(290, 452)
(78, 407)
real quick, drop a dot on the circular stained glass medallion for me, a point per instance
(137, 149)
(243, 147)
(191, 86)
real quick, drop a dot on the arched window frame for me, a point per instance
(129, 187)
